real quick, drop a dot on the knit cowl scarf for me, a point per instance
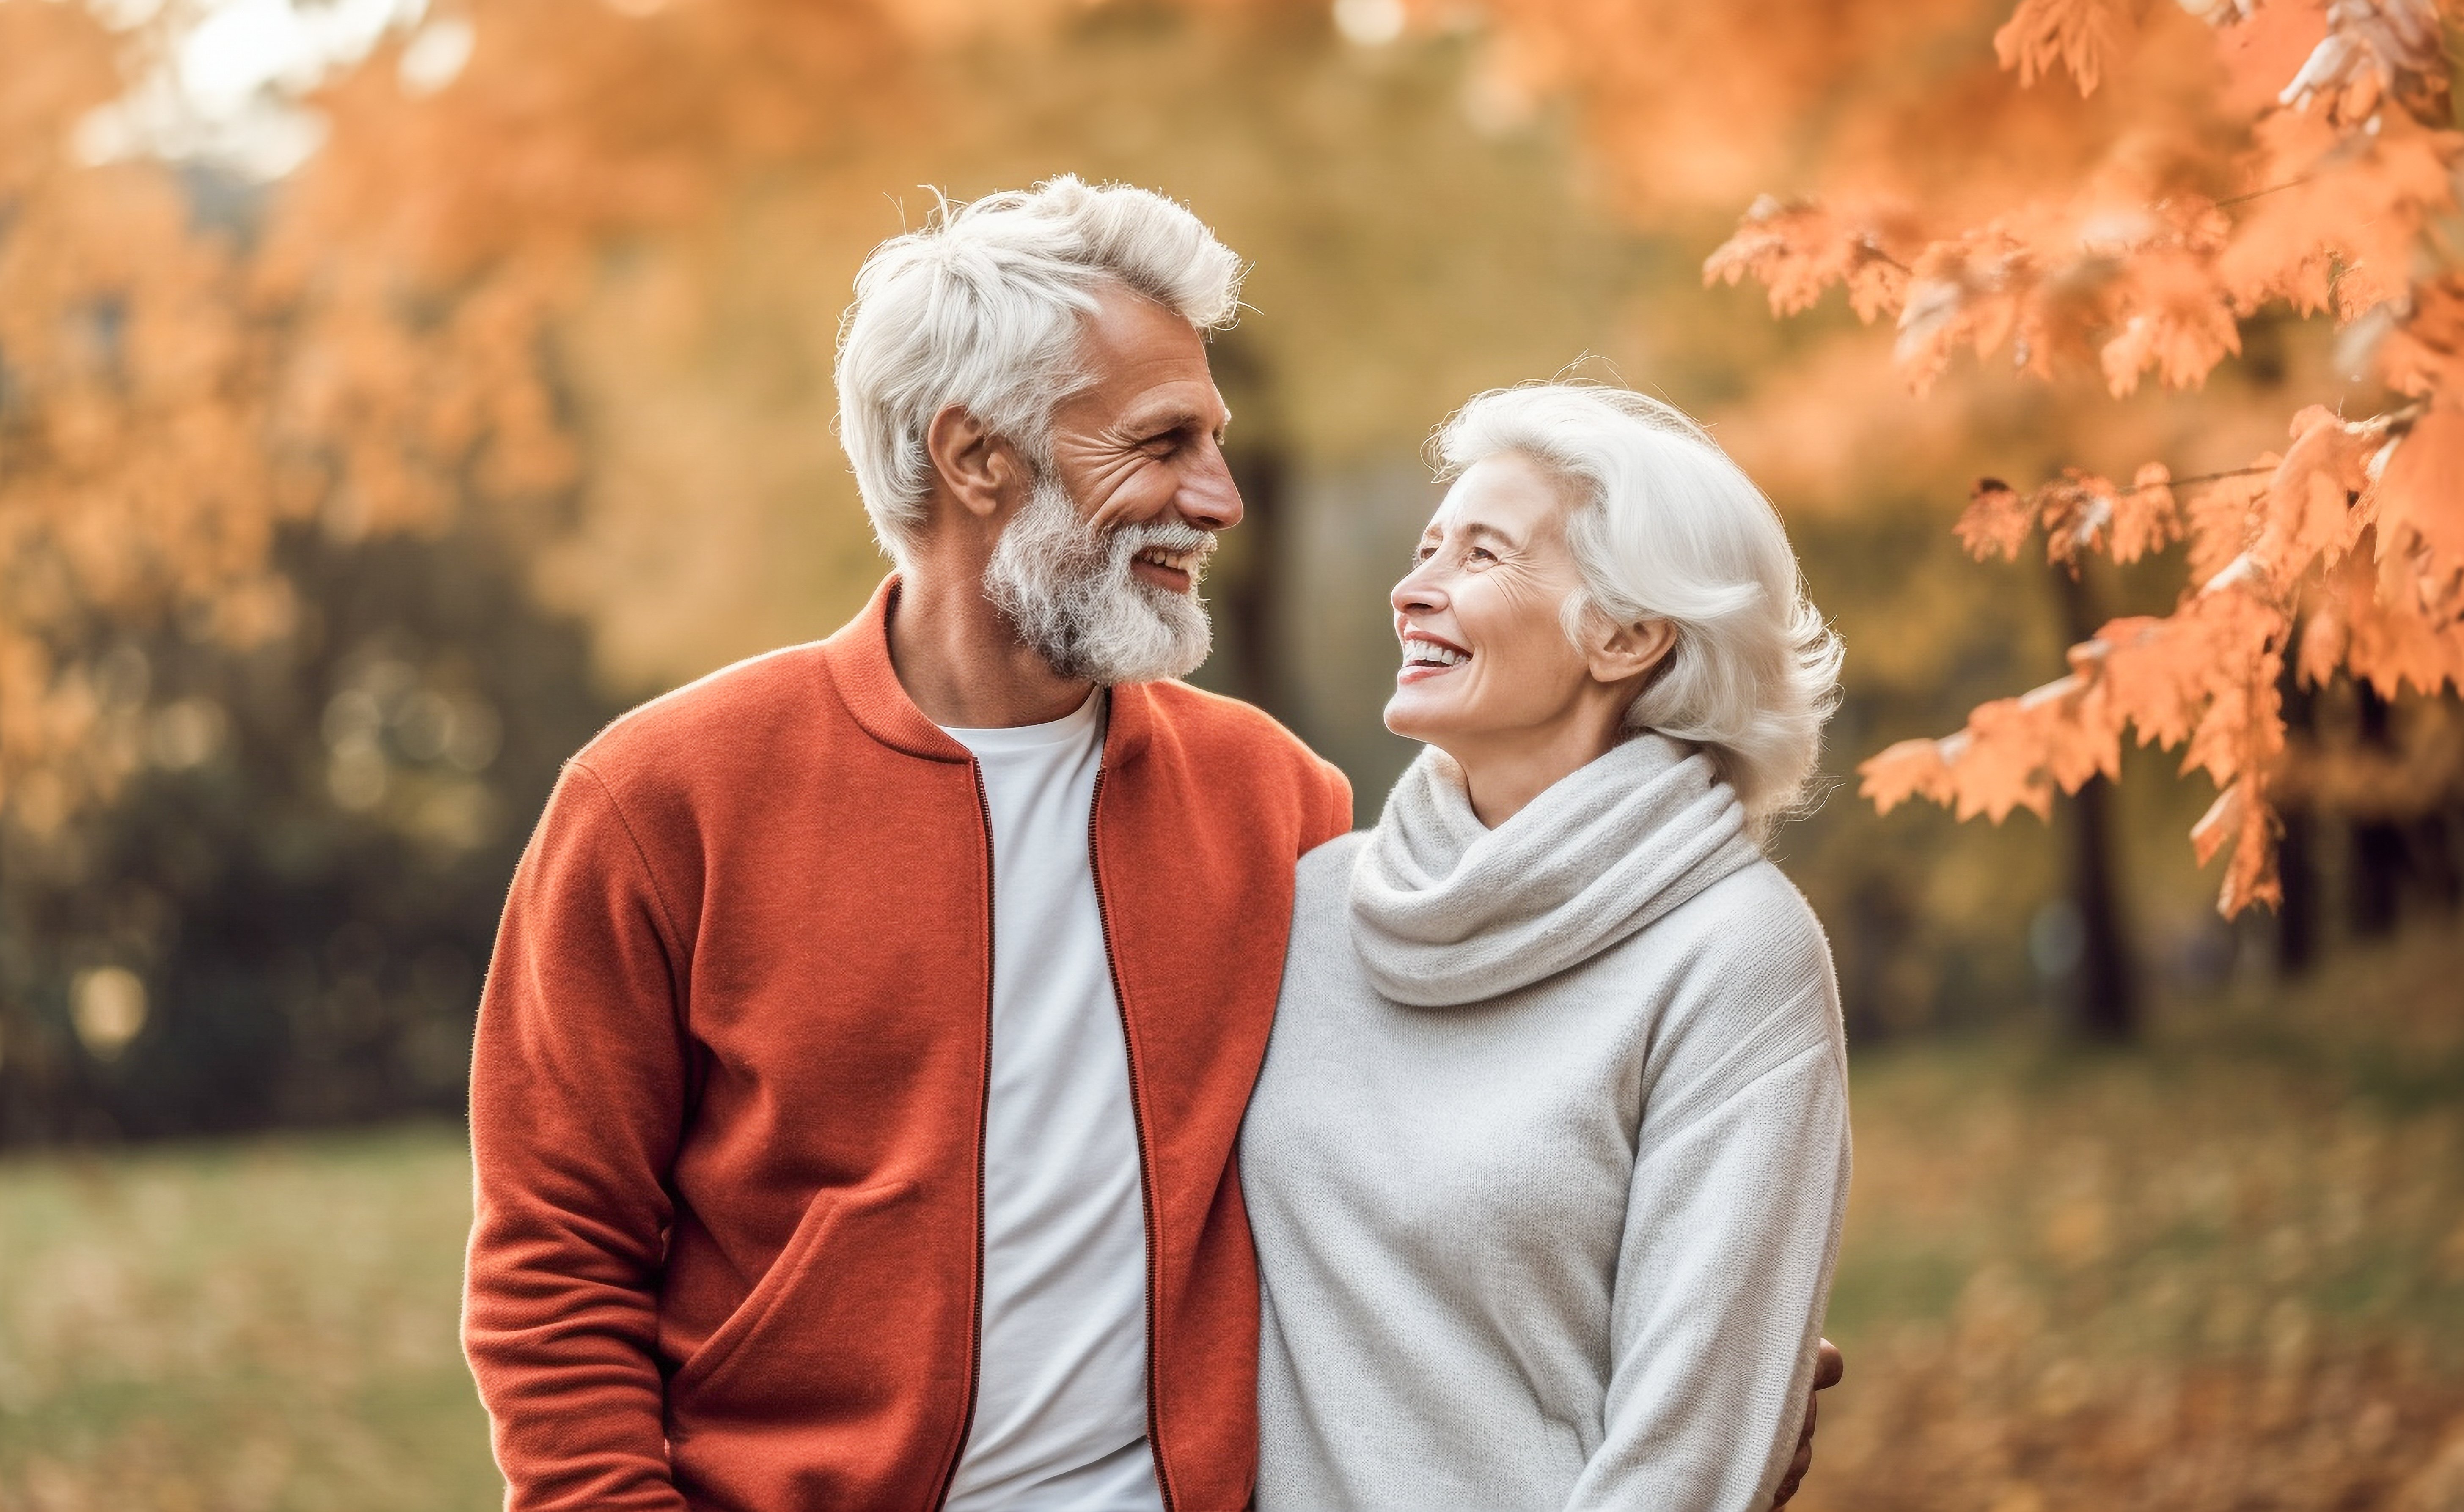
(1448, 913)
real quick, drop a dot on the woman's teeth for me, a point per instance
(1421, 653)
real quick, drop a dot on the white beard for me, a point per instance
(1069, 591)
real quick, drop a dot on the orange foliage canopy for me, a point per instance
(2347, 168)
(381, 359)
(132, 400)
(2285, 152)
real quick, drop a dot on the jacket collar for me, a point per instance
(858, 657)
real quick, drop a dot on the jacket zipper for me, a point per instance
(983, 1117)
(1138, 1122)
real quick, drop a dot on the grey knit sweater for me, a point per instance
(1549, 1157)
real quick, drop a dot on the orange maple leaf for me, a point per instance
(2223, 517)
(2003, 765)
(2173, 316)
(2310, 498)
(1800, 249)
(2425, 353)
(1995, 523)
(2085, 36)
(2420, 504)
(1973, 291)
(1906, 769)
(2146, 517)
(2151, 675)
(2241, 818)
(2336, 213)
(2375, 631)
(2241, 731)
(2265, 48)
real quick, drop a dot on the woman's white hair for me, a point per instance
(982, 309)
(1664, 526)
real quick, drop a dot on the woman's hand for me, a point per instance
(1828, 1367)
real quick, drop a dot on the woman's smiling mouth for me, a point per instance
(1425, 656)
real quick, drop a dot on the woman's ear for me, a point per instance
(978, 468)
(1619, 653)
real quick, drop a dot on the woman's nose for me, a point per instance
(1418, 593)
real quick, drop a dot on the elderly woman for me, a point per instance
(1547, 1160)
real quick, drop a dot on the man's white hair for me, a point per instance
(1665, 526)
(982, 309)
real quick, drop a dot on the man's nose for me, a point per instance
(1207, 497)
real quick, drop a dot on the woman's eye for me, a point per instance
(1479, 554)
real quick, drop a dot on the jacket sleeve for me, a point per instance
(1733, 1228)
(578, 1091)
(1329, 811)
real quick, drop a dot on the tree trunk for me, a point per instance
(2374, 885)
(2106, 999)
(2297, 914)
(1247, 582)
(2297, 858)
(1252, 603)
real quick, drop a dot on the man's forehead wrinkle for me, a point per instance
(1153, 369)
(1123, 317)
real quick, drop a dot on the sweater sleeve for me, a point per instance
(578, 1091)
(1732, 1226)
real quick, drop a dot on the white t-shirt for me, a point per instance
(1061, 1396)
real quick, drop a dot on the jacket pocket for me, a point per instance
(789, 1275)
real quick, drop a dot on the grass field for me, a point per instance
(2222, 1272)
(2226, 1272)
(257, 1325)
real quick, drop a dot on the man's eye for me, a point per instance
(1480, 554)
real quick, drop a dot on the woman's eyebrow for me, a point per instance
(1478, 528)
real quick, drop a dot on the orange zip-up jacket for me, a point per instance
(727, 1103)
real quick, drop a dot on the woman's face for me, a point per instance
(1486, 654)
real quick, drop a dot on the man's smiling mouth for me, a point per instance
(1166, 567)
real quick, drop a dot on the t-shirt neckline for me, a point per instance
(1071, 729)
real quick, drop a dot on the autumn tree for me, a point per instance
(553, 300)
(461, 312)
(275, 701)
(134, 394)
(381, 355)
(2263, 155)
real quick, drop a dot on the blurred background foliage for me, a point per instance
(392, 396)
(390, 393)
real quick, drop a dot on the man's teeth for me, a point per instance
(1422, 654)
(1177, 561)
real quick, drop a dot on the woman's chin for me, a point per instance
(1409, 714)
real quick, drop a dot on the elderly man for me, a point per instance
(871, 1024)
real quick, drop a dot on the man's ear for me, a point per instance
(982, 471)
(1618, 653)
